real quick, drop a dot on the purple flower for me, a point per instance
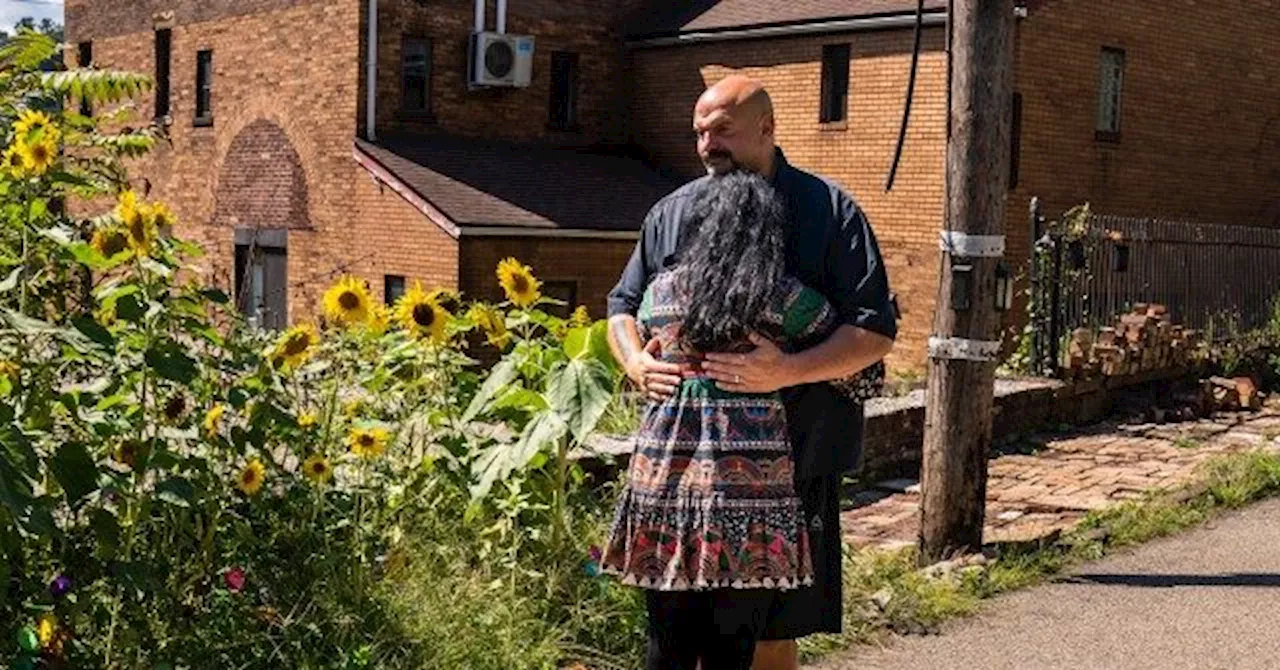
(595, 553)
(60, 586)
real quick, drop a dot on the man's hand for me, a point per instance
(764, 369)
(657, 380)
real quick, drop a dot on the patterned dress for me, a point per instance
(710, 501)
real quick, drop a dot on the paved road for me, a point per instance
(1209, 598)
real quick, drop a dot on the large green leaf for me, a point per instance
(579, 393)
(26, 325)
(499, 461)
(176, 491)
(106, 527)
(75, 471)
(577, 343)
(172, 363)
(499, 377)
(599, 346)
(93, 330)
(11, 282)
(519, 397)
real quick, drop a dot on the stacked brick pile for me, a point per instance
(1144, 340)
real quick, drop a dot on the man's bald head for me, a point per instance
(733, 120)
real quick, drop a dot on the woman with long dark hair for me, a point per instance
(709, 522)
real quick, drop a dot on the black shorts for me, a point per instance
(817, 608)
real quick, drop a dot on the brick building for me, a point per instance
(1154, 109)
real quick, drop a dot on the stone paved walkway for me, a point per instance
(1032, 495)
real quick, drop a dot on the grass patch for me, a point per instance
(884, 592)
(1187, 442)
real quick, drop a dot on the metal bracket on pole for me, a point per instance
(971, 246)
(958, 348)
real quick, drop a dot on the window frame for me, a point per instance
(204, 88)
(562, 112)
(163, 75)
(427, 76)
(1103, 131)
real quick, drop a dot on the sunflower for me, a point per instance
(317, 468)
(492, 322)
(109, 241)
(367, 442)
(9, 369)
(447, 298)
(38, 157)
(251, 477)
(348, 302)
(296, 345)
(213, 420)
(420, 314)
(13, 163)
(161, 215)
(518, 282)
(32, 120)
(140, 229)
(580, 317)
(175, 408)
(307, 419)
(126, 204)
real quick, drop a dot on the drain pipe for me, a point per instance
(371, 75)
(502, 16)
(481, 6)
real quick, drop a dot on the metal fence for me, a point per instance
(1203, 273)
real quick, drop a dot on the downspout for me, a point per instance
(502, 16)
(481, 6)
(371, 75)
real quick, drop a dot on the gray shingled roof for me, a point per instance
(715, 15)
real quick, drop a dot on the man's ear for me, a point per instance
(767, 125)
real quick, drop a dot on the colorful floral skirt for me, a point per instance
(710, 500)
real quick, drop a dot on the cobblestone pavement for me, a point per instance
(1030, 496)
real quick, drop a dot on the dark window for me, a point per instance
(415, 63)
(261, 285)
(1015, 140)
(835, 83)
(1121, 263)
(1110, 91)
(564, 89)
(565, 291)
(392, 288)
(84, 58)
(163, 44)
(204, 88)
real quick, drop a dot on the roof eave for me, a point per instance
(935, 17)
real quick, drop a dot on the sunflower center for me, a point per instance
(296, 344)
(175, 407)
(137, 227)
(318, 467)
(250, 476)
(349, 300)
(424, 315)
(40, 152)
(15, 160)
(114, 244)
(366, 441)
(520, 284)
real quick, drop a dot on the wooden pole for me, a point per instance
(962, 353)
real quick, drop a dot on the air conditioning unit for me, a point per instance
(500, 59)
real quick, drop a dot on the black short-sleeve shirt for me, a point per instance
(830, 247)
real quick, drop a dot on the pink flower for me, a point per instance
(234, 579)
(595, 553)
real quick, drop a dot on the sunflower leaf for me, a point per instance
(500, 376)
(75, 471)
(176, 491)
(579, 394)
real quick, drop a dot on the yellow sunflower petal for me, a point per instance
(367, 442)
(421, 315)
(251, 477)
(317, 468)
(518, 282)
(296, 345)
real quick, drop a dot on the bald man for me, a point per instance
(830, 247)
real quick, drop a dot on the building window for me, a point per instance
(1015, 141)
(163, 43)
(261, 283)
(204, 88)
(1110, 90)
(84, 58)
(564, 90)
(415, 64)
(565, 291)
(835, 83)
(392, 288)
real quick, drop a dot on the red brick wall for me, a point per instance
(582, 26)
(397, 239)
(594, 264)
(1200, 116)
(667, 81)
(279, 150)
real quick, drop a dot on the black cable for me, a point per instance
(911, 91)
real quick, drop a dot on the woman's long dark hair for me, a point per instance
(733, 261)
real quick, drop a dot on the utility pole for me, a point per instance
(965, 345)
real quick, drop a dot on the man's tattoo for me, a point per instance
(626, 339)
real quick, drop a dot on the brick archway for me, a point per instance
(262, 183)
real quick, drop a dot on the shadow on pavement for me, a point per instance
(1166, 581)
